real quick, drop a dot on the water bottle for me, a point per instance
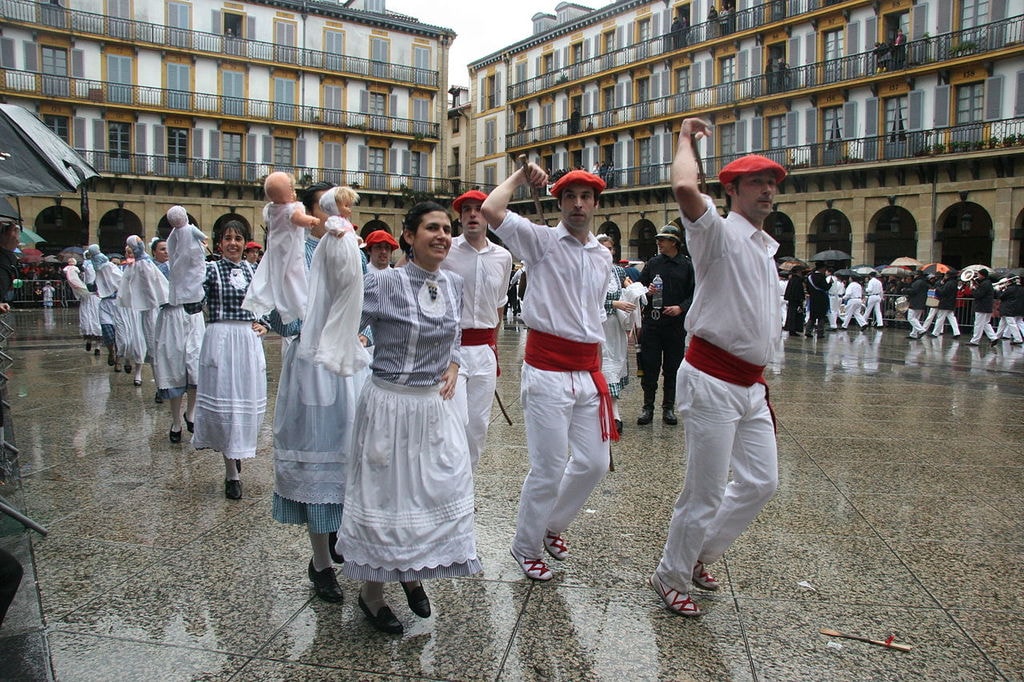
(656, 299)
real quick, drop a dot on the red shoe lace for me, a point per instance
(557, 543)
(535, 565)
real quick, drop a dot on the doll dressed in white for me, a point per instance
(280, 280)
(337, 203)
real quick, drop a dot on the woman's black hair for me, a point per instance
(309, 194)
(153, 243)
(236, 225)
(416, 213)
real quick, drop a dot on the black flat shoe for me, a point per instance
(332, 540)
(174, 436)
(95, 351)
(191, 426)
(325, 583)
(384, 621)
(233, 490)
(88, 346)
(669, 417)
(418, 601)
(127, 368)
(157, 399)
(618, 426)
(137, 382)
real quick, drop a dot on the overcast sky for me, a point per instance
(481, 26)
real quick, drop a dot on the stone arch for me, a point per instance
(219, 223)
(780, 227)
(643, 238)
(830, 229)
(163, 228)
(60, 227)
(373, 226)
(893, 230)
(115, 227)
(965, 230)
(612, 230)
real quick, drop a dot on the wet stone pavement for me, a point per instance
(898, 514)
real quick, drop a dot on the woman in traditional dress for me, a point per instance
(231, 396)
(613, 350)
(88, 306)
(409, 494)
(143, 290)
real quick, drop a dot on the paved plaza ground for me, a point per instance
(899, 513)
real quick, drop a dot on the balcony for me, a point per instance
(820, 76)
(242, 173)
(29, 83)
(102, 27)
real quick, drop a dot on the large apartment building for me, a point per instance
(196, 101)
(901, 122)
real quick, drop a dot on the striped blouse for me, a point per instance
(225, 286)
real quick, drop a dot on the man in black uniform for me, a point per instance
(663, 333)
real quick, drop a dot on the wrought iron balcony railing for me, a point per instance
(201, 103)
(823, 74)
(213, 44)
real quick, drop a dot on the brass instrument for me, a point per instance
(968, 275)
(902, 304)
(1006, 282)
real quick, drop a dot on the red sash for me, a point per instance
(483, 337)
(555, 354)
(723, 365)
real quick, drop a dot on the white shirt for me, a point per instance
(485, 276)
(567, 280)
(736, 299)
(853, 290)
(873, 287)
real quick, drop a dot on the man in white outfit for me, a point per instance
(567, 407)
(485, 268)
(836, 289)
(723, 399)
(854, 301)
(873, 293)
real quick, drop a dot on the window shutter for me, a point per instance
(364, 102)
(620, 95)
(499, 96)
(915, 103)
(620, 37)
(215, 144)
(993, 98)
(31, 55)
(945, 19)
(792, 127)
(757, 134)
(871, 117)
(920, 23)
(250, 28)
(407, 162)
(250, 148)
(215, 26)
(809, 50)
(393, 105)
(537, 71)
(666, 83)
(7, 53)
(300, 152)
(1018, 106)
(197, 143)
(363, 157)
(630, 155)
(99, 134)
(666, 150)
(565, 109)
(709, 73)
(79, 140)
(483, 94)
(741, 137)
(871, 30)
(850, 120)
(755, 62)
(392, 162)
(742, 64)
(159, 140)
(655, 87)
(997, 10)
(140, 138)
(853, 38)
(942, 106)
(268, 149)
(811, 130)
(656, 25)
(794, 50)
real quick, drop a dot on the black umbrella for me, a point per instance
(846, 272)
(830, 254)
(35, 160)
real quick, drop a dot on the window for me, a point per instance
(608, 41)
(332, 162)
(970, 99)
(119, 77)
(490, 136)
(179, 22)
(415, 164)
(548, 63)
(177, 152)
(284, 153)
(489, 92)
(284, 99)
(576, 53)
(776, 132)
(643, 89)
(232, 24)
(233, 87)
(284, 42)
(59, 126)
(683, 80)
(379, 53)
(378, 104)
(119, 18)
(456, 123)
(895, 118)
(833, 41)
(421, 57)
(727, 141)
(231, 153)
(332, 104)
(334, 47)
(832, 123)
(119, 146)
(375, 160)
(973, 13)
(521, 72)
(643, 30)
(179, 86)
(643, 160)
(55, 70)
(490, 175)
(727, 69)
(547, 113)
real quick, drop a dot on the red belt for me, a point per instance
(555, 354)
(723, 365)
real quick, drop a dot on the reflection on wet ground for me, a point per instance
(902, 466)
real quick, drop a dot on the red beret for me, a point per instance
(578, 177)
(751, 163)
(471, 195)
(381, 237)
(251, 245)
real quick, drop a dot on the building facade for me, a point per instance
(194, 102)
(901, 122)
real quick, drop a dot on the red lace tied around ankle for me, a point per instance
(721, 364)
(555, 354)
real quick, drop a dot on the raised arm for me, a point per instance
(496, 205)
(685, 183)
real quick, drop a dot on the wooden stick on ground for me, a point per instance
(887, 643)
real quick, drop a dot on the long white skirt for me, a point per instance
(89, 316)
(231, 395)
(613, 350)
(409, 497)
(179, 339)
(312, 430)
(131, 342)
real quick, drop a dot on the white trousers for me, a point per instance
(983, 327)
(726, 426)
(1009, 326)
(474, 394)
(567, 456)
(833, 311)
(853, 311)
(940, 322)
(914, 318)
(874, 307)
